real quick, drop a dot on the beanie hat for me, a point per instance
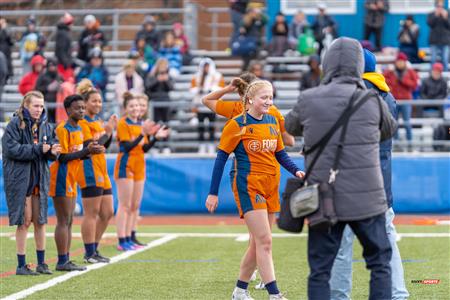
(370, 61)
(402, 56)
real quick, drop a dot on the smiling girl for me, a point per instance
(256, 141)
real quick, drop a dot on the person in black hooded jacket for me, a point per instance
(48, 84)
(28, 144)
(63, 47)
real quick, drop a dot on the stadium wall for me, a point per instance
(352, 25)
(421, 184)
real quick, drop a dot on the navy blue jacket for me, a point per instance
(386, 146)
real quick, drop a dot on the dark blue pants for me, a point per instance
(323, 246)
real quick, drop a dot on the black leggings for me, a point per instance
(202, 127)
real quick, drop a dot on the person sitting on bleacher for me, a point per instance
(28, 82)
(32, 43)
(170, 51)
(158, 84)
(63, 46)
(148, 33)
(49, 84)
(95, 71)
(144, 56)
(297, 27)
(128, 80)
(402, 80)
(182, 42)
(91, 37)
(311, 78)
(279, 43)
(207, 80)
(434, 87)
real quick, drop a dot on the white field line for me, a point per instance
(52, 282)
(237, 236)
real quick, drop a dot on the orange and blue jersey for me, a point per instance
(63, 175)
(93, 170)
(255, 181)
(130, 164)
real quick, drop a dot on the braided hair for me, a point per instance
(86, 88)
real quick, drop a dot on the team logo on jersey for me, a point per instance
(100, 179)
(269, 145)
(273, 131)
(254, 146)
(260, 199)
(251, 130)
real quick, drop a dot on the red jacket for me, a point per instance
(28, 82)
(402, 89)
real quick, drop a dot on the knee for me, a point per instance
(106, 215)
(265, 242)
(26, 223)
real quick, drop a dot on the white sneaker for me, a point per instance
(253, 278)
(277, 297)
(241, 294)
(260, 286)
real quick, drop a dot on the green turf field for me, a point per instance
(199, 267)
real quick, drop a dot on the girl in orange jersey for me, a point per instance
(231, 109)
(255, 139)
(93, 175)
(162, 133)
(133, 137)
(63, 176)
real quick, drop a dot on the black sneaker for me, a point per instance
(101, 258)
(25, 270)
(135, 241)
(91, 259)
(70, 266)
(43, 269)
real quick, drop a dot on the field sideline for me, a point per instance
(186, 261)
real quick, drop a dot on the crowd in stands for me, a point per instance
(156, 58)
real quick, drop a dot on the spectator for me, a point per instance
(442, 134)
(6, 42)
(170, 51)
(359, 196)
(237, 11)
(91, 37)
(207, 80)
(311, 78)
(95, 71)
(297, 27)
(31, 44)
(324, 28)
(341, 274)
(434, 87)
(439, 38)
(28, 82)
(403, 81)
(148, 33)
(128, 80)
(49, 83)
(374, 20)
(256, 67)
(158, 84)
(279, 43)
(144, 56)
(63, 47)
(252, 28)
(407, 37)
(181, 41)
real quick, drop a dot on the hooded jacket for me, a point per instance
(19, 152)
(359, 189)
(211, 82)
(377, 82)
(63, 46)
(28, 82)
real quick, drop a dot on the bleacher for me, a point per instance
(184, 137)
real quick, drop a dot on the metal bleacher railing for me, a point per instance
(184, 136)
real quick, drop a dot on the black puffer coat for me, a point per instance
(19, 152)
